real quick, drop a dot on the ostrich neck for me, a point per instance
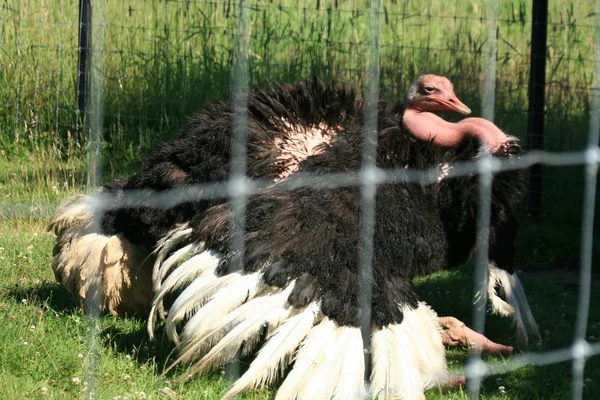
(428, 126)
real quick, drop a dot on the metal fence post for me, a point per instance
(537, 86)
(84, 47)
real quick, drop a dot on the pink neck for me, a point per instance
(428, 126)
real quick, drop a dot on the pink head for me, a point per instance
(434, 93)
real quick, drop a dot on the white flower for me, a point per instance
(79, 355)
(141, 395)
(44, 389)
(32, 328)
(25, 343)
(76, 381)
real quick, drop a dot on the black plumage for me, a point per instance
(419, 229)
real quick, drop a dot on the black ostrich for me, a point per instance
(297, 285)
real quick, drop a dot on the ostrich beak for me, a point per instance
(451, 103)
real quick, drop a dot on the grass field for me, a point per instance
(161, 61)
(46, 345)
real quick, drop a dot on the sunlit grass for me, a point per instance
(162, 60)
(44, 340)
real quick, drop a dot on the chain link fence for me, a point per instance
(116, 77)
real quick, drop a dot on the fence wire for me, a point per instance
(122, 102)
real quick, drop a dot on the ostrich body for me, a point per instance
(297, 282)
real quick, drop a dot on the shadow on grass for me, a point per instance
(48, 295)
(554, 303)
(128, 335)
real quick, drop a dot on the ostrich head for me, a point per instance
(434, 93)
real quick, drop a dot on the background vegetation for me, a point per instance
(162, 60)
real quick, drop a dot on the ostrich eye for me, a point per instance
(429, 89)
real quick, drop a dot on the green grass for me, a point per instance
(45, 337)
(161, 61)
(554, 306)
(45, 340)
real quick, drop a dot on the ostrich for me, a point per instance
(297, 285)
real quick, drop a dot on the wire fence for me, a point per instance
(151, 63)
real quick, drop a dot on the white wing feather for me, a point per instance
(313, 348)
(277, 351)
(351, 384)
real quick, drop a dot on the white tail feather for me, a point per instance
(193, 297)
(189, 270)
(166, 267)
(164, 247)
(497, 276)
(197, 342)
(173, 259)
(277, 351)
(324, 376)
(222, 302)
(76, 211)
(313, 348)
(203, 264)
(526, 319)
(247, 331)
(395, 372)
(515, 306)
(351, 384)
(424, 331)
(409, 357)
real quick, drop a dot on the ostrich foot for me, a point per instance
(456, 333)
